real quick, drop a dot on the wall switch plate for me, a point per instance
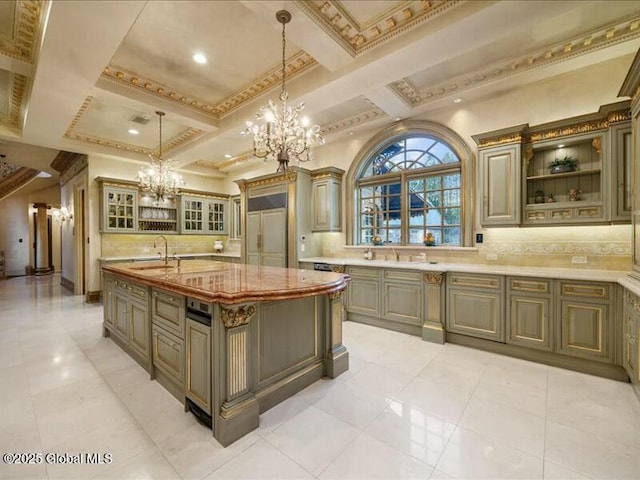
(302, 248)
(579, 259)
(479, 237)
(492, 256)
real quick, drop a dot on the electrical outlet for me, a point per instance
(492, 256)
(579, 259)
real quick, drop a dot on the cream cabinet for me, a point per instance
(168, 344)
(118, 208)
(204, 215)
(499, 185)
(631, 337)
(168, 354)
(326, 199)
(583, 324)
(475, 305)
(267, 238)
(529, 312)
(168, 311)
(621, 141)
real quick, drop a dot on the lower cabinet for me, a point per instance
(198, 379)
(583, 326)
(529, 304)
(364, 291)
(631, 335)
(126, 314)
(403, 296)
(475, 305)
(168, 354)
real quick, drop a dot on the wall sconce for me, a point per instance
(66, 214)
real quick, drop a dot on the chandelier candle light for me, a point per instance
(282, 136)
(159, 179)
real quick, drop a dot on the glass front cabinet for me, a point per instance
(118, 208)
(204, 215)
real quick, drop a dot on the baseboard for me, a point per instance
(93, 297)
(68, 284)
(386, 324)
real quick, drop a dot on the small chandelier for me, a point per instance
(159, 179)
(282, 136)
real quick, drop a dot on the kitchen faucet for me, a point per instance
(166, 256)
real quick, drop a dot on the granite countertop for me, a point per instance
(522, 271)
(182, 255)
(230, 283)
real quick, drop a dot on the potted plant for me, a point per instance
(429, 239)
(566, 164)
(539, 196)
(376, 240)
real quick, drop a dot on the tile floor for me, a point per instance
(405, 409)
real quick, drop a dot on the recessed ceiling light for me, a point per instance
(226, 155)
(560, 146)
(199, 58)
(398, 119)
(351, 133)
(457, 100)
(133, 131)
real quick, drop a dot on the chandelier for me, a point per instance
(281, 135)
(159, 179)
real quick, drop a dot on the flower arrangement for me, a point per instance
(429, 239)
(376, 240)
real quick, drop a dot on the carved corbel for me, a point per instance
(235, 316)
(434, 278)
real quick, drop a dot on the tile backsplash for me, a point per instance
(123, 245)
(606, 247)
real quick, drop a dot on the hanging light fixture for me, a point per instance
(159, 178)
(282, 136)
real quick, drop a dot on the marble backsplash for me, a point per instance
(606, 247)
(123, 245)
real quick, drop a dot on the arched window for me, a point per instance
(408, 185)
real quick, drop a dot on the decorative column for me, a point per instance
(433, 325)
(42, 257)
(337, 355)
(239, 409)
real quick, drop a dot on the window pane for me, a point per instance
(416, 185)
(452, 216)
(433, 199)
(437, 233)
(416, 235)
(443, 153)
(452, 235)
(434, 217)
(393, 235)
(451, 198)
(434, 183)
(451, 181)
(366, 192)
(420, 143)
(416, 217)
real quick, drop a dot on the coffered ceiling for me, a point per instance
(78, 75)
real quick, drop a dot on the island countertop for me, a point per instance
(213, 281)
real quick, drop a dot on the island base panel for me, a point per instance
(235, 422)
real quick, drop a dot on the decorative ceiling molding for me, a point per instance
(176, 142)
(69, 164)
(7, 168)
(295, 65)
(235, 161)
(352, 121)
(27, 20)
(357, 38)
(18, 90)
(15, 180)
(597, 39)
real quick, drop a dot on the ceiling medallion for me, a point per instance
(281, 135)
(159, 179)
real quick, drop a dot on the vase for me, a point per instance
(429, 244)
(562, 168)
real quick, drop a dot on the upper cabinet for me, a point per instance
(499, 177)
(574, 171)
(123, 209)
(203, 214)
(631, 88)
(326, 190)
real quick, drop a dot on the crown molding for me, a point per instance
(18, 89)
(356, 38)
(597, 39)
(26, 27)
(15, 180)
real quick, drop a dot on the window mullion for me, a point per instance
(404, 210)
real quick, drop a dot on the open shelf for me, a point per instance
(577, 173)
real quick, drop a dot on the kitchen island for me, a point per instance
(228, 340)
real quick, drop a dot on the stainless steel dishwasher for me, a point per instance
(198, 347)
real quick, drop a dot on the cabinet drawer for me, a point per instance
(467, 280)
(364, 272)
(168, 354)
(168, 311)
(530, 285)
(596, 291)
(403, 275)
